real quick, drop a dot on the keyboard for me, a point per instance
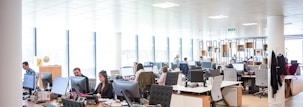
(48, 105)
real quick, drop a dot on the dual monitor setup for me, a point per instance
(59, 86)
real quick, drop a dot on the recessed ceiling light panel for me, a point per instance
(218, 17)
(166, 5)
(249, 24)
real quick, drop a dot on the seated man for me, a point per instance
(77, 72)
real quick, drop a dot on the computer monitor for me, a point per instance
(148, 68)
(60, 85)
(198, 63)
(238, 67)
(80, 82)
(206, 65)
(46, 79)
(130, 87)
(195, 75)
(191, 63)
(214, 72)
(127, 71)
(29, 82)
(293, 61)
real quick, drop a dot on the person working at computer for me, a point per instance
(177, 60)
(27, 69)
(162, 79)
(105, 88)
(140, 69)
(77, 72)
(135, 66)
(246, 67)
(185, 60)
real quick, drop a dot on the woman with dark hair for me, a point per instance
(140, 69)
(105, 88)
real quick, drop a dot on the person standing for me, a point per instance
(177, 60)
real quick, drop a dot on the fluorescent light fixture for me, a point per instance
(166, 5)
(218, 17)
(249, 24)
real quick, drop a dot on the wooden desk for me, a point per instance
(202, 89)
(54, 102)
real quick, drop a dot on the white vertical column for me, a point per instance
(197, 51)
(11, 53)
(275, 35)
(117, 61)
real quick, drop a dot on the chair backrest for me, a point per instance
(293, 68)
(70, 103)
(261, 77)
(184, 68)
(216, 93)
(230, 74)
(146, 79)
(160, 94)
(91, 84)
(263, 66)
(172, 78)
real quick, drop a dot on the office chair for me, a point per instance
(293, 68)
(145, 80)
(261, 81)
(184, 68)
(70, 103)
(91, 84)
(172, 78)
(160, 94)
(216, 94)
(263, 66)
(230, 74)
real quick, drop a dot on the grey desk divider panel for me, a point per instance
(160, 94)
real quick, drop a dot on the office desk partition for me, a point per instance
(198, 100)
(54, 102)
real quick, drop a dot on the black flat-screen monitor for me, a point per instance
(214, 72)
(148, 68)
(130, 87)
(127, 71)
(29, 81)
(79, 82)
(60, 85)
(293, 61)
(195, 75)
(206, 65)
(198, 63)
(46, 79)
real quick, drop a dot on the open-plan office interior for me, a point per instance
(97, 35)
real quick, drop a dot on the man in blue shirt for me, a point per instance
(27, 68)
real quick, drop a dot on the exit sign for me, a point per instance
(231, 29)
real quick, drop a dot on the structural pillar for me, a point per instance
(275, 35)
(117, 61)
(197, 51)
(11, 52)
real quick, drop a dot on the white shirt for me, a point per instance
(138, 73)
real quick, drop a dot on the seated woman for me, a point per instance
(162, 79)
(105, 88)
(140, 69)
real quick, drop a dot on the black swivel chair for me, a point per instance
(160, 94)
(172, 78)
(70, 103)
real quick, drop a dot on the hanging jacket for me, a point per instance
(281, 68)
(273, 74)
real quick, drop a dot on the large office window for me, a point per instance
(128, 49)
(28, 45)
(187, 48)
(161, 49)
(145, 49)
(174, 48)
(82, 53)
(293, 50)
(52, 42)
